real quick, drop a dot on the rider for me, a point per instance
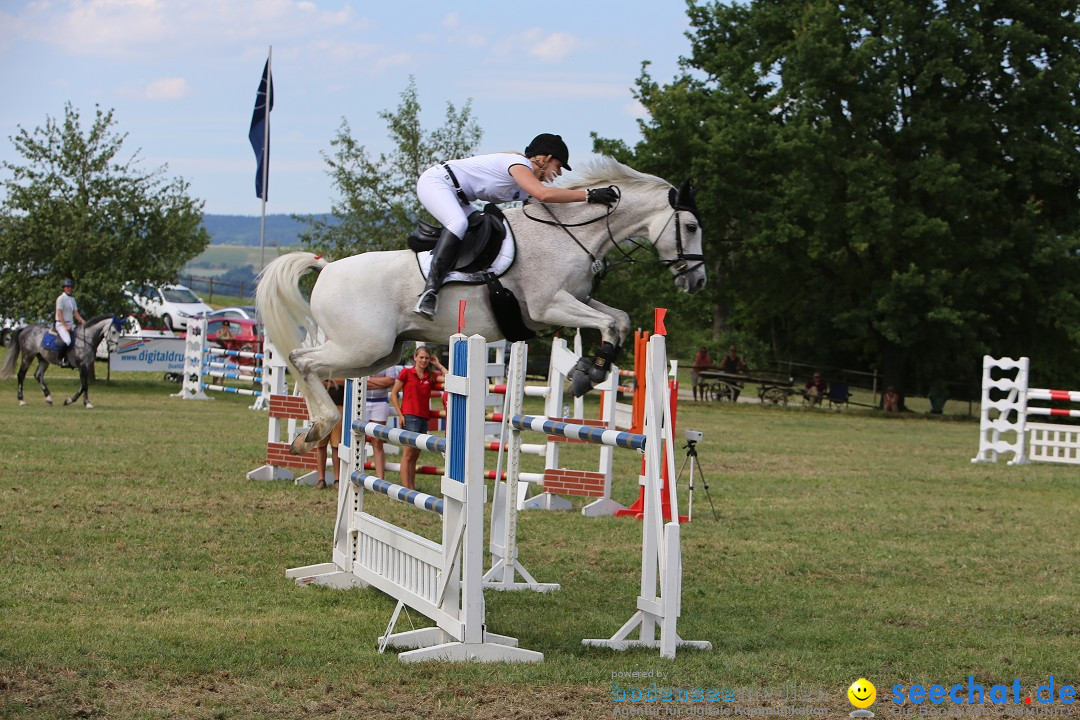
(67, 312)
(447, 190)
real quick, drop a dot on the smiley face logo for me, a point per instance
(862, 693)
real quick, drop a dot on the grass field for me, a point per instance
(144, 575)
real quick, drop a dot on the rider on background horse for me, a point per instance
(67, 312)
(448, 189)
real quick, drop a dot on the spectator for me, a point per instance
(890, 401)
(226, 331)
(732, 364)
(336, 390)
(414, 407)
(702, 361)
(816, 389)
(377, 409)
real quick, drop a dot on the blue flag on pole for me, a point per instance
(258, 133)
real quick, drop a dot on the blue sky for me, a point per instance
(182, 76)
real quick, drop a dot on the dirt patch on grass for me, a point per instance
(67, 694)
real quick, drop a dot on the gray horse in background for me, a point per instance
(27, 341)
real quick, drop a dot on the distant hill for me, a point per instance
(281, 230)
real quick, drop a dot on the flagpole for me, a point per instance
(265, 164)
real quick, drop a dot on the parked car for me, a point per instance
(237, 311)
(244, 335)
(176, 305)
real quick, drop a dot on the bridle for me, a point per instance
(680, 200)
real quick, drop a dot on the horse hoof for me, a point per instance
(66, 402)
(21, 403)
(49, 400)
(89, 406)
(580, 384)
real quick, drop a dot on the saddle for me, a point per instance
(487, 248)
(51, 341)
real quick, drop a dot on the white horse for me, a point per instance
(364, 304)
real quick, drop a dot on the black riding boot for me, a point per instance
(442, 260)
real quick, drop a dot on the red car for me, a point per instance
(241, 334)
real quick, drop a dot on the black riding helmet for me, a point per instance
(548, 144)
(68, 282)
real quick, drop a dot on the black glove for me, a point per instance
(603, 196)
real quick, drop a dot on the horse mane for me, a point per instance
(606, 170)
(98, 318)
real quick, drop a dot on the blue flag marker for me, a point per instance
(259, 132)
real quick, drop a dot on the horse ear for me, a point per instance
(684, 198)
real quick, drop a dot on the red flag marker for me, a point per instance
(658, 321)
(461, 315)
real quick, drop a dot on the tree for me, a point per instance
(75, 209)
(377, 208)
(892, 182)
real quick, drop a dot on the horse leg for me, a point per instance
(83, 388)
(39, 375)
(329, 360)
(614, 325)
(23, 367)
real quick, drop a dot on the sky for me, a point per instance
(182, 76)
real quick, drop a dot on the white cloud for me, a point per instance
(451, 20)
(167, 88)
(547, 47)
(635, 109)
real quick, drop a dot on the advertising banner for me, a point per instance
(148, 354)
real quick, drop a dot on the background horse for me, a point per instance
(27, 341)
(364, 304)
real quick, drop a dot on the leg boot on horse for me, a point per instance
(442, 261)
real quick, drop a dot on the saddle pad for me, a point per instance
(501, 264)
(51, 341)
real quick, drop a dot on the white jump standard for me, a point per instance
(1009, 431)
(443, 581)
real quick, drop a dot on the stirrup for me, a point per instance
(428, 304)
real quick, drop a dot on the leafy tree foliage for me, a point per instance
(377, 208)
(891, 182)
(75, 209)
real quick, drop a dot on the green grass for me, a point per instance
(144, 575)
(216, 259)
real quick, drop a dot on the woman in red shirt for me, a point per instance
(414, 408)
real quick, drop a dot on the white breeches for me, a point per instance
(439, 196)
(63, 332)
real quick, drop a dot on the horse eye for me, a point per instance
(691, 227)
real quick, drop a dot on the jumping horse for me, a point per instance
(363, 304)
(29, 341)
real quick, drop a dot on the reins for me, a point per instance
(599, 266)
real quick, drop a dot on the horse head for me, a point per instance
(679, 243)
(651, 206)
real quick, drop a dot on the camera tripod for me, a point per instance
(691, 456)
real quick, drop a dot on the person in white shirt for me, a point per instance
(448, 189)
(67, 312)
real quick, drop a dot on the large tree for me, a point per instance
(377, 206)
(75, 208)
(892, 182)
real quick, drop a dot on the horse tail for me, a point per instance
(13, 355)
(283, 308)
